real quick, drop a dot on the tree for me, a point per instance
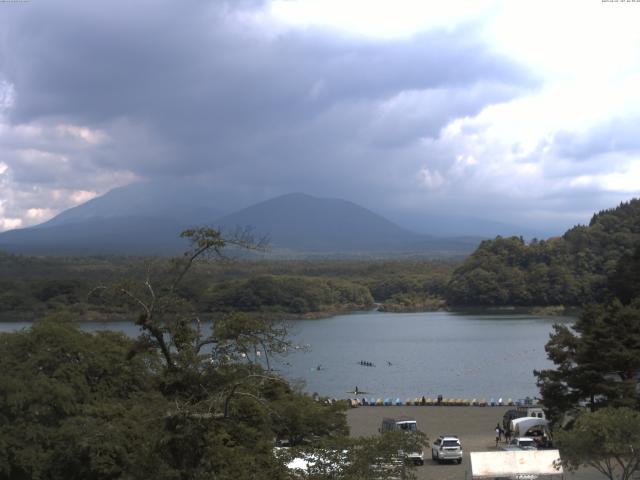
(73, 407)
(596, 360)
(376, 457)
(607, 440)
(625, 283)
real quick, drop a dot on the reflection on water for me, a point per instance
(409, 355)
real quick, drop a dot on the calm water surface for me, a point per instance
(456, 355)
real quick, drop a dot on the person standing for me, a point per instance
(497, 435)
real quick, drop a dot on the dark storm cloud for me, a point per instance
(218, 92)
(206, 84)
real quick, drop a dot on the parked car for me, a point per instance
(446, 447)
(521, 443)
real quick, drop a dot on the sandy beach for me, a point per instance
(475, 426)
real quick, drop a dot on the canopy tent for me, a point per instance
(516, 464)
(534, 427)
(522, 425)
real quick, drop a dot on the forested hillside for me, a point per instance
(569, 270)
(287, 293)
(31, 287)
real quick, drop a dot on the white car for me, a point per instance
(446, 447)
(521, 443)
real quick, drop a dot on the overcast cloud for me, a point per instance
(403, 107)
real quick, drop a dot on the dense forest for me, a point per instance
(568, 270)
(33, 286)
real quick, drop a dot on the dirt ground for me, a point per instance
(475, 426)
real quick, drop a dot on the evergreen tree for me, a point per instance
(598, 359)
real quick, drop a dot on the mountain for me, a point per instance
(301, 222)
(146, 219)
(142, 218)
(186, 202)
(129, 235)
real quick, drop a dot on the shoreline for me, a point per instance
(537, 311)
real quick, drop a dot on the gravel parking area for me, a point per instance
(475, 426)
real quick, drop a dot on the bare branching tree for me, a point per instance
(231, 355)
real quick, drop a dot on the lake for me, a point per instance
(457, 355)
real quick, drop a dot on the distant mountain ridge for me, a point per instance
(130, 235)
(140, 220)
(463, 225)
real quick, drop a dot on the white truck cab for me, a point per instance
(406, 424)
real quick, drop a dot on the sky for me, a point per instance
(526, 112)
